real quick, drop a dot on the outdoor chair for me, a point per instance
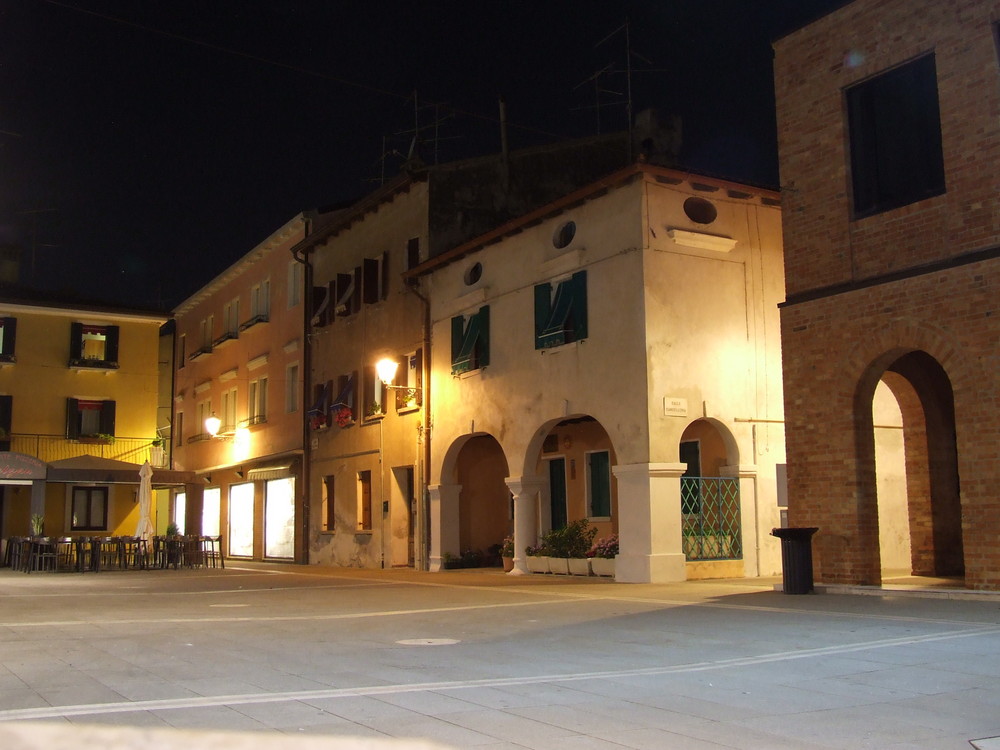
(134, 552)
(107, 552)
(41, 554)
(86, 559)
(16, 553)
(192, 556)
(65, 549)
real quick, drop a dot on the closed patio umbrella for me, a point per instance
(145, 527)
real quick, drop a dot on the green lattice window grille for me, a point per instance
(711, 510)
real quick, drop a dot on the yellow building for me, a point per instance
(78, 408)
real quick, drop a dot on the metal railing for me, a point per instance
(57, 447)
(711, 512)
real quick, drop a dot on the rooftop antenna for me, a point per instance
(404, 143)
(611, 69)
(628, 77)
(598, 90)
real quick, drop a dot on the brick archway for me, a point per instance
(926, 392)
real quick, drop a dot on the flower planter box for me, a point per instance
(559, 565)
(537, 564)
(603, 566)
(579, 566)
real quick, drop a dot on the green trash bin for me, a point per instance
(796, 558)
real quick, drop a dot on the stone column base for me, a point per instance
(662, 568)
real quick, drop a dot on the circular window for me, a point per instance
(473, 274)
(564, 235)
(700, 211)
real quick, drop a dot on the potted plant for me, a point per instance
(602, 555)
(571, 542)
(37, 524)
(537, 558)
(507, 553)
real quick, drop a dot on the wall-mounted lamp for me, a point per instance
(212, 425)
(386, 369)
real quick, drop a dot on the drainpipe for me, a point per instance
(423, 505)
(307, 276)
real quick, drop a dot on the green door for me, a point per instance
(557, 491)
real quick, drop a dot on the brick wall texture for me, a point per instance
(864, 295)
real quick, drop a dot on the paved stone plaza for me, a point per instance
(480, 659)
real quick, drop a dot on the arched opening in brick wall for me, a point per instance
(915, 480)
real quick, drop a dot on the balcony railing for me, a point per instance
(57, 447)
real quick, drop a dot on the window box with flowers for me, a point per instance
(602, 555)
(343, 416)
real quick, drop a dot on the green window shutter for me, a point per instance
(470, 344)
(483, 350)
(599, 470)
(111, 345)
(72, 418)
(457, 333)
(564, 319)
(75, 341)
(543, 310)
(579, 314)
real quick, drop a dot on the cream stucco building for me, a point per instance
(604, 355)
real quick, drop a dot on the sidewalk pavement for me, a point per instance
(470, 659)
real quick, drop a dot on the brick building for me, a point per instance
(888, 135)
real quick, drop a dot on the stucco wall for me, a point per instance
(390, 327)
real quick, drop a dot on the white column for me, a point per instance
(444, 523)
(526, 491)
(749, 516)
(649, 523)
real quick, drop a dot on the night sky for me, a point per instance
(147, 144)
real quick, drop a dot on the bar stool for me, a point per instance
(211, 551)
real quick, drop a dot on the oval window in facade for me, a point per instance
(564, 235)
(700, 211)
(473, 273)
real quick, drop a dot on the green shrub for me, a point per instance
(573, 540)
